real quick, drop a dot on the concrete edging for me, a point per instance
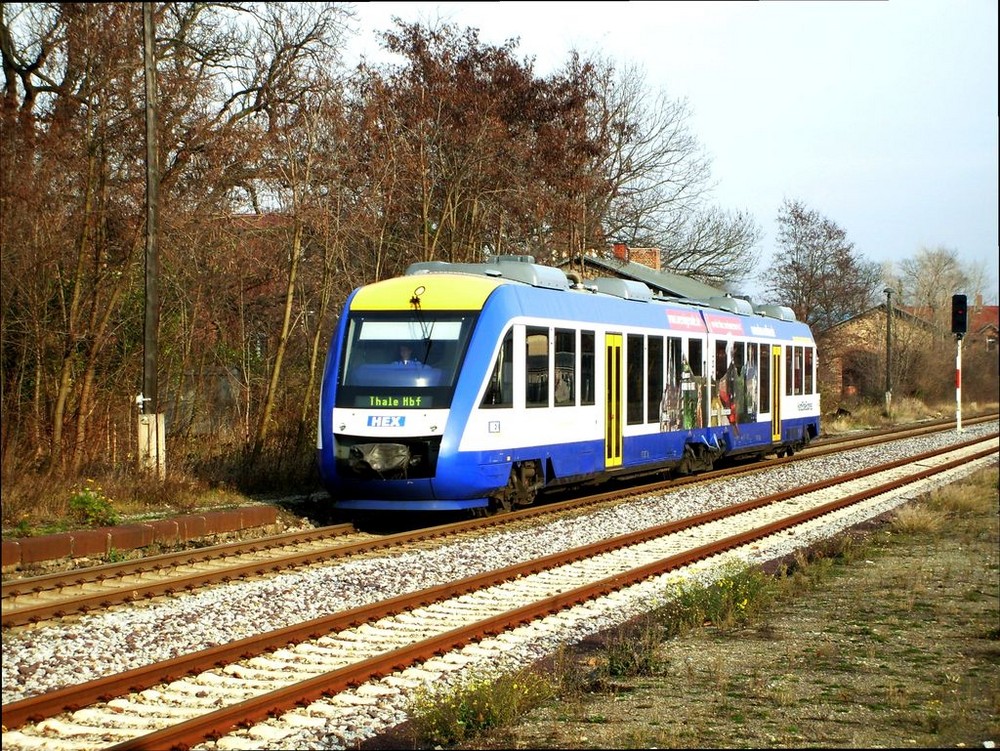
(102, 540)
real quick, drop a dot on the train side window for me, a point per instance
(678, 389)
(721, 358)
(654, 378)
(587, 367)
(634, 377)
(675, 363)
(536, 376)
(565, 391)
(808, 370)
(751, 376)
(765, 379)
(789, 371)
(695, 357)
(736, 373)
(798, 370)
(500, 387)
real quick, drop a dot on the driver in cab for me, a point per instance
(406, 358)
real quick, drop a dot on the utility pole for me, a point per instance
(152, 449)
(888, 351)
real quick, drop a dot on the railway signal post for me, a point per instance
(959, 325)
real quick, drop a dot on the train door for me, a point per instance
(776, 373)
(612, 400)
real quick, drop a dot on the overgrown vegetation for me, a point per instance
(90, 506)
(729, 602)
(633, 649)
(477, 705)
(61, 504)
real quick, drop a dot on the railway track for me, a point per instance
(79, 591)
(35, 599)
(315, 673)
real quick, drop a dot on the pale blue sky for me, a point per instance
(882, 116)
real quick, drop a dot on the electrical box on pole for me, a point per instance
(959, 315)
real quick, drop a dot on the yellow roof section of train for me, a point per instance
(435, 291)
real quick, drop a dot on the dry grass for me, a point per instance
(200, 474)
(31, 507)
(904, 410)
(970, 498)
(918, 519)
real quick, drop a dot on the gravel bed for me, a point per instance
(54, 655)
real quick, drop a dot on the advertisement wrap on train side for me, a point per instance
(482, 386)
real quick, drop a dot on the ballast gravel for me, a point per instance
(54, 655)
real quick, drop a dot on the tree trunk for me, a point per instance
(279, 355)
(71, 317)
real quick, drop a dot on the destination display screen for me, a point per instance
(394, 401)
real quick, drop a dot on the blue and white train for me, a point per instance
(526, 380)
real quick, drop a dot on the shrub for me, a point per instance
(634, 649)
(730, 601)
(476, 706)
(90, 506)
(917, 520)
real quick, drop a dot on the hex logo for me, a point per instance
(386, 421)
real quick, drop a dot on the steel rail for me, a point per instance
(96, 574)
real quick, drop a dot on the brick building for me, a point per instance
(920, 351)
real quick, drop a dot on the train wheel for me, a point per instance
(522, 486)
(499, 504)
(502, 505)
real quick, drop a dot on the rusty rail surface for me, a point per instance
(91, 574)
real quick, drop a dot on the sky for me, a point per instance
(881, 115)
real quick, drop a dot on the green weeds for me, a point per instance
(477, 705)
(91, 507)
(632, 649)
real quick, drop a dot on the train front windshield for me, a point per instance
(402, 360)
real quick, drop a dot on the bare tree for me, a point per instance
(817, 271)
(714, 246)
(71, 68)
(72, 181)
(651, 182)
(654, 170)
(294, 46)
(928, 280)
